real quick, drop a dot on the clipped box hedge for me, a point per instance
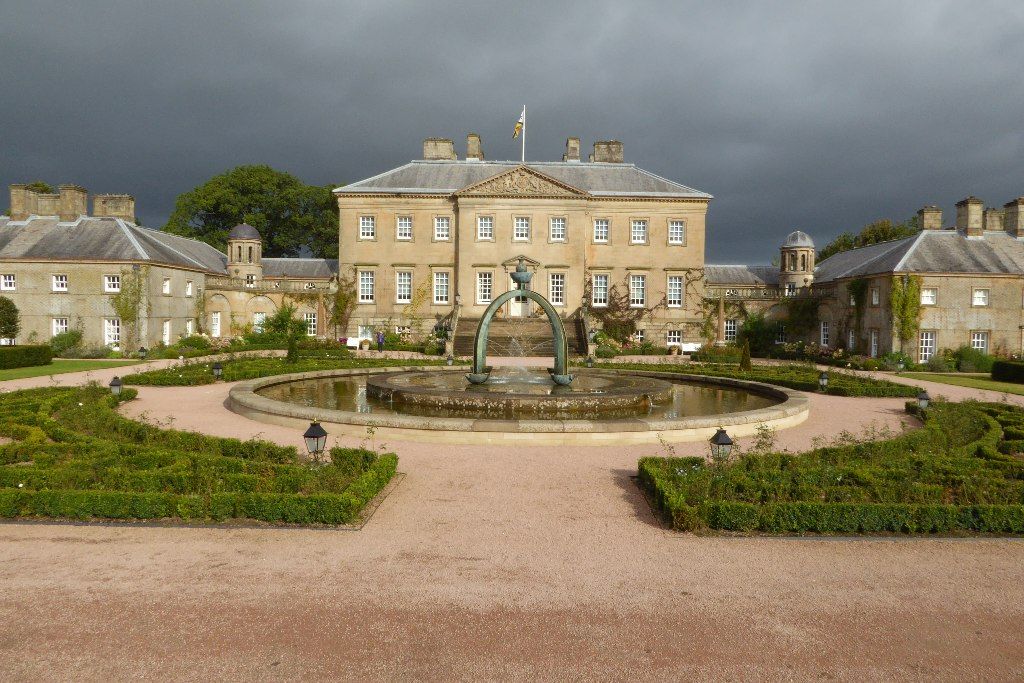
(958, 474)
(74, 457)
(1008, 371)
(25, 356)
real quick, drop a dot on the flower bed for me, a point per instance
(962, 472)
(73, 456)
(194, 374)
(800, 377)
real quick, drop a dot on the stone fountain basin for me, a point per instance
(792, 409)
(521, 395)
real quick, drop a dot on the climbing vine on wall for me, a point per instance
(858, 291)
(128, 304)
(709, 316)
(619, 319)
(801, 315)
(905, 304)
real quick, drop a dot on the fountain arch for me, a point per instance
(559, 373)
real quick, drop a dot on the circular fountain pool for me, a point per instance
(521, 404)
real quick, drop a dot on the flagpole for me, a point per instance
(523, 159)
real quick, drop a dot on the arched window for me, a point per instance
(792, 262)
(250, 254)
(803, 261)
(239, 251)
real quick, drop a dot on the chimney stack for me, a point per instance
(438, 148)
(474, 148)
(73, 202)
(992, 220)
(114, 206)
(1013, 217)
(929, 217)
(20, 201)
(572, 150)
(969, 216)
(607, 152)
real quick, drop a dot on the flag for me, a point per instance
(519, 124)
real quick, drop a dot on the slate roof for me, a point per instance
(244, 231)
(930, 251)
(744, 276)
(599, 179)
(312, 268)
(103, 239)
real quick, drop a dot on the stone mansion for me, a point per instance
(429, 244)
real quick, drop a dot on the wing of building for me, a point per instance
(63, 266)
(433, 242)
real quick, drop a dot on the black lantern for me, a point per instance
(142, 352)
(115, 386)
(450, 360)
(721, 445)
(589, 361)
(316, 440)
(823, 381)
(218, 370)
(900, 366)
(923, 399)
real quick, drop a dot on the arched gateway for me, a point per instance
(522, 277)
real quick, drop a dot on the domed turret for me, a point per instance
(245, 251)
(796, 267)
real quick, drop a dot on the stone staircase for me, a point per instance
(530, 337)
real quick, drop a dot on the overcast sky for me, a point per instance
(820, 116)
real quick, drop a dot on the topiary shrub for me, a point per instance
(745, 356)
(25, 356)
(10, 319)
(1008, 371)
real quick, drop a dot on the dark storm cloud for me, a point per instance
(819, 116)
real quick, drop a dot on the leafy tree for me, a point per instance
(289, 214)
(872, 233)
(10, 320)
(756, 336)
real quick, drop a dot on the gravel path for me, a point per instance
(502, 564)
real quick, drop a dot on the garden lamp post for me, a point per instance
(589, 362)
(115, 386)
(316, 440)
(823, 381)
(218, 370)
(721, 445)
(923, 399)
(142, 352)
(900, 366)
(450, 360)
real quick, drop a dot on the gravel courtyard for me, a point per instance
(489, 563)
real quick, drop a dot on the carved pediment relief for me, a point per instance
(522, 181)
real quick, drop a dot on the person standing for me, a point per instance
(380, 341)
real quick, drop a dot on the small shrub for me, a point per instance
(938, 363)
(66, 344)
(1008, 371)
(604, 351)
(972, 360)
(25, 356)
(745, 356)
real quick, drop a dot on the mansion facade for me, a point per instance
(430, 244)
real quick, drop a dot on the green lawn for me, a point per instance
(965, 380)
(60, 366)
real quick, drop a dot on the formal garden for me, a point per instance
(66, 453)
(962, 472)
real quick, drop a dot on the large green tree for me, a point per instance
(872, 233)
(288, 213)
(10, 319)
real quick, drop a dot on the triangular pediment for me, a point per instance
(521, 181)
(514, 261)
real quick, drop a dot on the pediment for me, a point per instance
(521, 181)
(514, 261)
